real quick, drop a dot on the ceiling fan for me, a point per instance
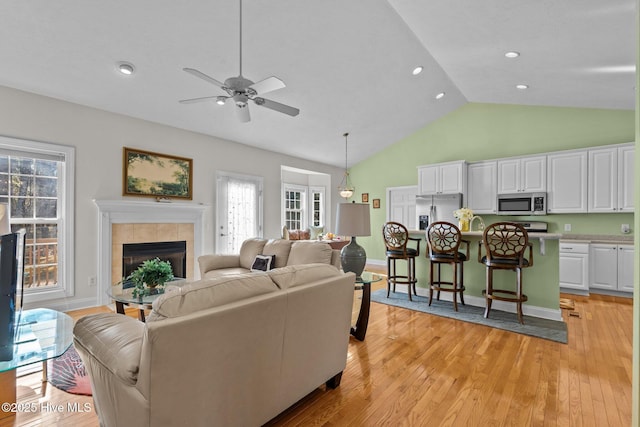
(242, 90)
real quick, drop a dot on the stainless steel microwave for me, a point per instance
(522, 204)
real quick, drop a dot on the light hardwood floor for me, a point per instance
(415, 369)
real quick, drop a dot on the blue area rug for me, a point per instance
(542, 328)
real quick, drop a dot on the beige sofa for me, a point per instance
(287, 252)
(230, 351)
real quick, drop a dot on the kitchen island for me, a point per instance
(540, 282)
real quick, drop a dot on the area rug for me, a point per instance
(67, 373)
(533, 326)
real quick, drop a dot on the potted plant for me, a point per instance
(151, 274)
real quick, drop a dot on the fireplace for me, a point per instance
(134, 254)
(135, 221)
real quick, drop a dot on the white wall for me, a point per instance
(99, 136)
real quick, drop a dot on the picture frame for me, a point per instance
(376, 203)
(162, 176)
(365, 197)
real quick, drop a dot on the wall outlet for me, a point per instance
(567, 227)
(93, 280)
(625, 228)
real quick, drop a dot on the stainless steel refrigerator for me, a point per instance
(437, 207)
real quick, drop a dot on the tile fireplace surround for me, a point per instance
(124, 221)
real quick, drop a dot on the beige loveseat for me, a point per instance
(286, 252)
(230, 351)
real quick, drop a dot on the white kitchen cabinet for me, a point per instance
(611, 179)
(611, 267)
(522, 174)
(482, 184)
(443, 178)
(567, 182)
(574, 266)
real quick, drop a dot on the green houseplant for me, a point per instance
(149, 275)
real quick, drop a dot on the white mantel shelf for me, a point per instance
(122, 211)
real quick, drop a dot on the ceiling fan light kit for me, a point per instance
(242, 90)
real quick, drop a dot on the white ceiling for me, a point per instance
(347, 64)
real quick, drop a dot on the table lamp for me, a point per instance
(353, 219)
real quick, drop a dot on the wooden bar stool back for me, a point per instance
(444, 240)
(505, 246)
(396, 237)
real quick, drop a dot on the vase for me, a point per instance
(463, 225)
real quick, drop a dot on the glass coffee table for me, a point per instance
(124, 297)
(42, 334)
(363, 284)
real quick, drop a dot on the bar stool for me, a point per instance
(444, 240)
(505, 245)
(396, 237)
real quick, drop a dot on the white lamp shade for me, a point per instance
(353, 219)
(4, 219)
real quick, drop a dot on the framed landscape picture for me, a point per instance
(149, 174)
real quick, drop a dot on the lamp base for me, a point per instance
(353, 258)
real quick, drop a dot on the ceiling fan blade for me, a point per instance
(194, 100)
(267, 85)
(243, 113)
(273, 105)
(203, 76)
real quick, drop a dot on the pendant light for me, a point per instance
(345, 187)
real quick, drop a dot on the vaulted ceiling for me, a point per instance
(347, 65)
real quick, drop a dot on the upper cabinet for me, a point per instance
(442, 178)
(567, 182)
(611, 186)
(482, 183)
(522, 174)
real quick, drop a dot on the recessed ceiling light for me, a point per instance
(522, 87)
(440, 95)
(512, 54)
(417, 70)
(221, 100)
(126, 68)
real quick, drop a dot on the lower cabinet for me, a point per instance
(611, 267)
(574, 266)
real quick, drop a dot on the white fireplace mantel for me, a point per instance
(138, 211)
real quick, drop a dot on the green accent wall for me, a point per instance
(488, 131)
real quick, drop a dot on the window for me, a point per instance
(303, 206)
(317, 206)
(36, 181)
(295, 207)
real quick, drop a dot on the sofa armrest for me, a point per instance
(113, 340)
(216, 262)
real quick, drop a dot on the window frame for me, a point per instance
(304, 208)
(65, 221)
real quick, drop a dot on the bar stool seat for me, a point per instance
(444, 240)
(396, 237)
(505, 245)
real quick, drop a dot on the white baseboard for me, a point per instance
(379, 262)
(527, 310)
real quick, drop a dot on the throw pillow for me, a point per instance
(263, 262)
(316, 232)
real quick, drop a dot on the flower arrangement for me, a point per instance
(150, 274)
(464, 214)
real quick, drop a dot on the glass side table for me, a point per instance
(42, 334)
(363, 284)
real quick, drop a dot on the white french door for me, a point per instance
(238, 212)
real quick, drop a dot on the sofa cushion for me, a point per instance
(212, 274)
(114, 340)
(296, 275)
(248, 251)
(209, 293)
(309, 252)
(280, 248)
